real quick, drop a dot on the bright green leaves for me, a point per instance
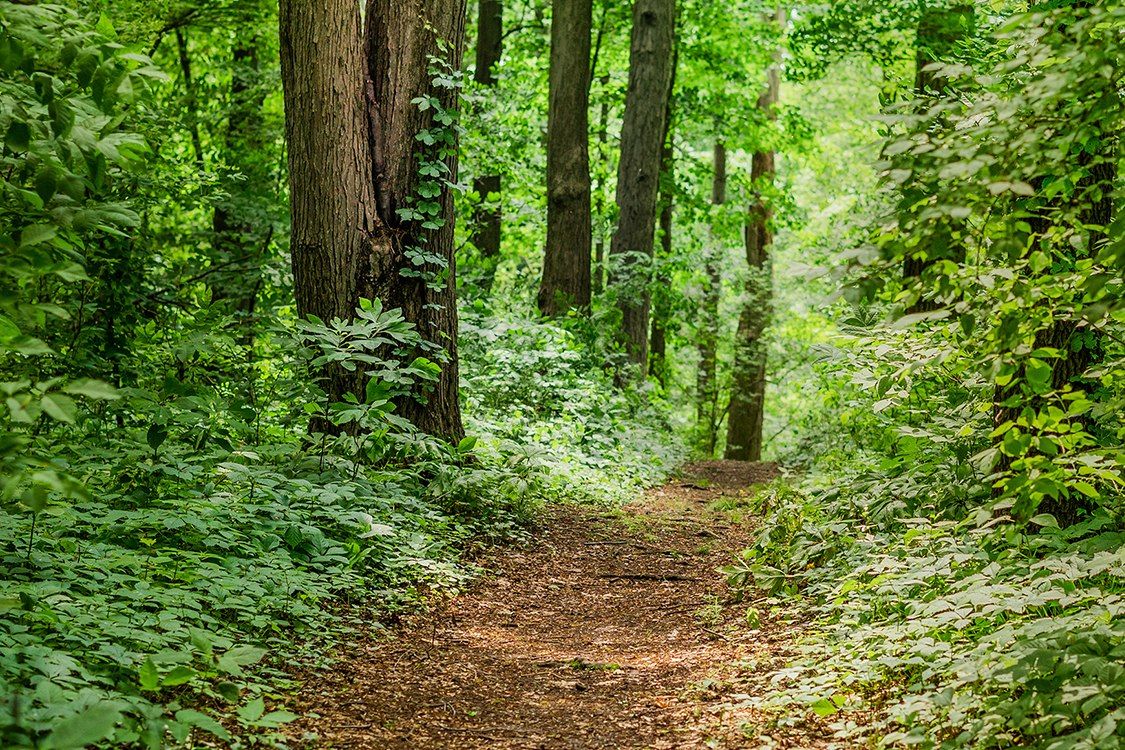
(85, 728)
(1039, 375)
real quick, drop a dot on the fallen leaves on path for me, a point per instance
(612, 630)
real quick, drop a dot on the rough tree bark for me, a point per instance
(401, 38)
(748, 385)
(332, 194)
(707, 333)
(487, 214)
(658, 341)
(566, 260)
(638, 173)
(350, 128)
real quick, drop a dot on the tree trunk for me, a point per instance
(706, 384)
(239, 241)
(638, 173)
(487, 213)
(566, 260)
(658, 342)
(402, 37)
(748, 386)
(353, 163)
(598, 281)
(332, 197)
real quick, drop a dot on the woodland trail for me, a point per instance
(611, 630)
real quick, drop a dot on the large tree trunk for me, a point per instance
(332, 196)
(487, 214)
(748, 385)
(239, 241)
(638, 173)
(566, 260)
(351, 127)
(402, 37)
(707, 329)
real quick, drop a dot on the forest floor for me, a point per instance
(612, 629)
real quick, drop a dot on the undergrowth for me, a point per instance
(208, 542)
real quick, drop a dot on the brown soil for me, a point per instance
(612, 630)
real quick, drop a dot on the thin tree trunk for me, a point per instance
(598, 282)
(638, 174)
(566, 260)
(190, 100)
(748, 385)
(487, 214)
(658, 341)
(707, 391)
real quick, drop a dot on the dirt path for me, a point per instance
(612, 630)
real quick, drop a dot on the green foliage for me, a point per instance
(958, 540)
(172, 535)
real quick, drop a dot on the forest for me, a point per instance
(562, 374)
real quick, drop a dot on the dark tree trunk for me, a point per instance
(332, 197)
(707, 391)
(748, 384)
(598, 281)
(658, 341)
(566, 260)
(401, 38)
(638, 173)
(487, 213)
(239, 241)
(351, 129)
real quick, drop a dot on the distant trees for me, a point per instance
(566, 261)
(748, 387)
(366, 222)
(487, 213)
(707, 412)
(638, 174)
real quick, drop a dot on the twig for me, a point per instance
(647, 577)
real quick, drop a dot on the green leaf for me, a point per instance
(823, 708)
(1045, 520)
(180, 675)
(156, 435)
(148, 676)
(276, 718)
(96, 389)
(202, 721)
(19, 136)
(59, 407)
(238, 657)
(37, 234)
(90, 726)
(253, 710)
(1039, 375)
(8, 328)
